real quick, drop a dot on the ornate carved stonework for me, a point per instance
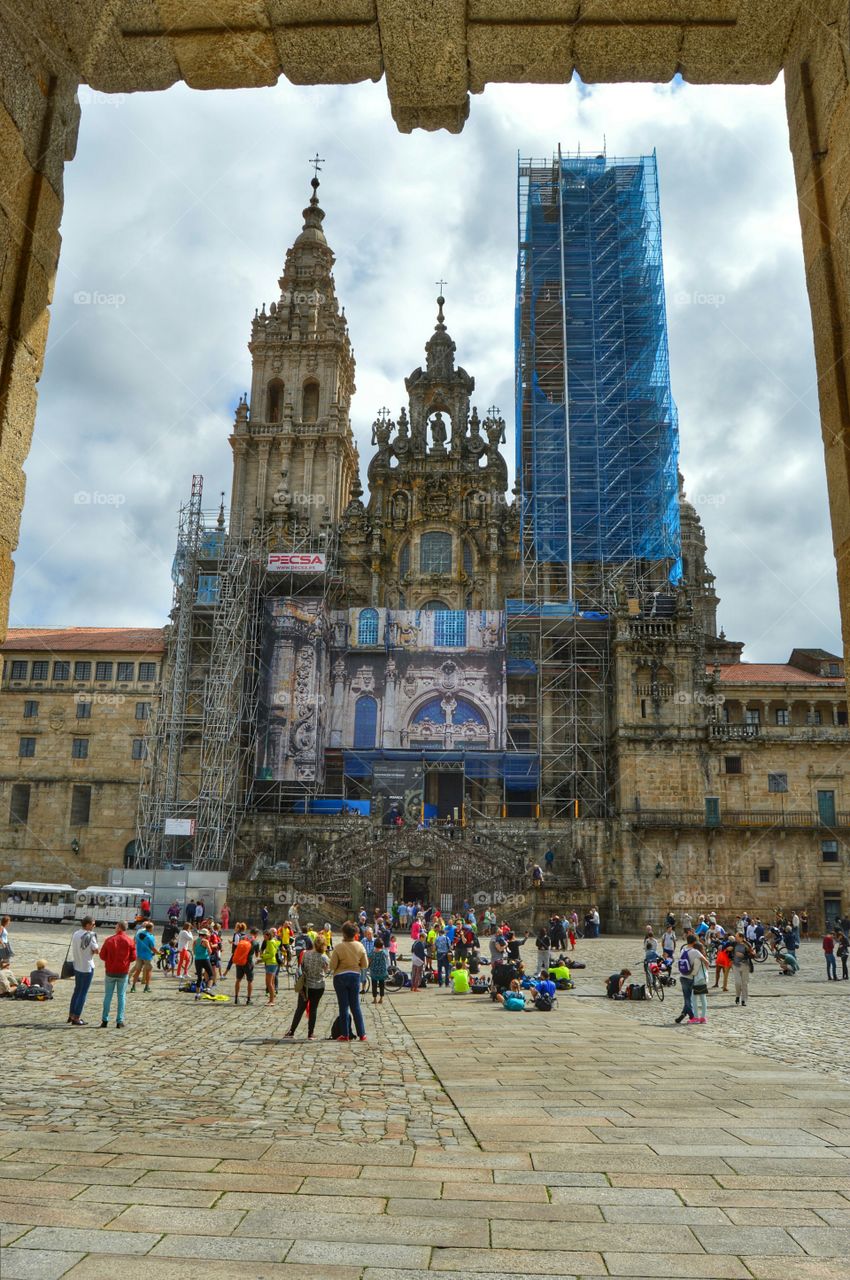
(437, 469)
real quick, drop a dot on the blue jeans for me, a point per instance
(443, 967)
(347, 988)
(687, 985)
(114, 983)
(831, 971)
(82, 982)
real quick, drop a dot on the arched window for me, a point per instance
(434, 606)
(468, 561)
(365, 722)
(435, 552)
(274, 400)
(367, 626)
(404, 561)
(450, 628)
(310, 409)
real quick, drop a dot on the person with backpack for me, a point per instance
(699, 987)
(379, 968)
(686, 979)
(84, 948)
(742, 959)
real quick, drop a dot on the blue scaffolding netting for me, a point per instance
(597, 450)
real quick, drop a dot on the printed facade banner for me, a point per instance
(292, 694)
(397, 792)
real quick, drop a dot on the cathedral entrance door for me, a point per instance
(416, 889)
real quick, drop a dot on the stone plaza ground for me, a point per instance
(459, 1141)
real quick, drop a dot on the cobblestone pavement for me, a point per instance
(460, 1140)
(801, 1020)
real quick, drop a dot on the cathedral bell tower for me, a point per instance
(294, 456)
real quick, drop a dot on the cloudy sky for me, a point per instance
(180, 206)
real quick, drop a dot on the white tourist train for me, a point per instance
(29, 900)
(108, 904)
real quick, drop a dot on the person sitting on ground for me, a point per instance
(545, 985)
(560, 972)
(616, 985)
(513, 999)
(787, 961)
(8, 981)
(41, 976)
(460, 979)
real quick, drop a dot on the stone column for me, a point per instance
(817, 91)
(390, 736)
(262, 472)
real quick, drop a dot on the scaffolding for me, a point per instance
(198, 781)
(597, 439)
(162, 757)
(597, 451)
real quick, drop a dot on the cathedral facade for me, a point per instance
(379, 695)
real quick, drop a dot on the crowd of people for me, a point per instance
(466, 952)
(708, 944)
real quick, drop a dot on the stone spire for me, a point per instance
(303, 379)
(440, 349)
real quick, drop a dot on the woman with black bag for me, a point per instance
(310, 985)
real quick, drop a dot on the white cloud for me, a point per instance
(179, 210)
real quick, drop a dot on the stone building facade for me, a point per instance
(402, 672)
(76, 705)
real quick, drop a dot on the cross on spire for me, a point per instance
(441, 284)
(317, 163)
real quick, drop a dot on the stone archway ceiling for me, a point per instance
(432, 54)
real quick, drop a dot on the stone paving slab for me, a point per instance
(36, 1264)
(459, 1141)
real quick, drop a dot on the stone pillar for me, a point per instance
(389, 728)
(817, 91)
(39, 116)
(262, 472)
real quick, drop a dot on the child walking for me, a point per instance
(379, 968)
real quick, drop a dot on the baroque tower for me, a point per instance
(438, 532)
(294, 456)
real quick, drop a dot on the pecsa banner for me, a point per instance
(296, 562)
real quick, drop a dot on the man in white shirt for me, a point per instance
(84, 948)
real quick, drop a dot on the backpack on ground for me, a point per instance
(636, 991)
(336, 1028)
(543, 1002)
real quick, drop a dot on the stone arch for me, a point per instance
(274, 400)
(310, 401)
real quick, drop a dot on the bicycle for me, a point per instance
(654, 985)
